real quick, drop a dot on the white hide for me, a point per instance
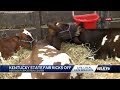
(116, 38)
(104, 40)
(27, 33)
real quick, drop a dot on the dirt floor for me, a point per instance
(77, 53)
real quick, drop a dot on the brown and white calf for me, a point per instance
(46, 52)
(10, 45)
(110, 47)
(104, 42)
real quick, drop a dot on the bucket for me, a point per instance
(89, 20)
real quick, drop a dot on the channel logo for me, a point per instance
(103, 68)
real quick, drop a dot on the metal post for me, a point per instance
(108, 15)
(73, 13)
(95, 11)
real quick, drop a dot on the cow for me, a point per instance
(105, 42)
(79, 35)
(10, 45)
(95, 39)
(67, 31)
(109, 46)
(47, 52)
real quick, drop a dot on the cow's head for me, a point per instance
(64, 30)
(26, 39)
(58, 32)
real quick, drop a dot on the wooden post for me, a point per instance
(40, 21)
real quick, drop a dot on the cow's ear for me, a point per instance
(21, 30)
(51, 25)
(16, 39)
(56, 23)
(17, 34)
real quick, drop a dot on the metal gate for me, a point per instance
(101, 22)
(115, 15)
(114, 23)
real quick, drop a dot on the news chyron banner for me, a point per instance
(61, 68)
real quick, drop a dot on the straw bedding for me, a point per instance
(77, 54)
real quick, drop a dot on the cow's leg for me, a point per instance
(17, 49)
(7, 55)
(117, 55)
(101, 56)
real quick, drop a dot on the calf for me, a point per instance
(92, 38)
(11, 45)
(74, 34)
(109, 46)
(46, 52)
(95, 39)
(105, 42)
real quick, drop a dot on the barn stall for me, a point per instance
(35, 21)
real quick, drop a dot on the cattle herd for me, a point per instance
(103, 42)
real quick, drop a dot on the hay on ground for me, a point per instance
(20, 55)
(78, 53)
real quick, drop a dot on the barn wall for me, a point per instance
(16, 19)
(36, 19)
(8, 20)
(12, 32)
(32, 19)
(13, 20)
(62, 16)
